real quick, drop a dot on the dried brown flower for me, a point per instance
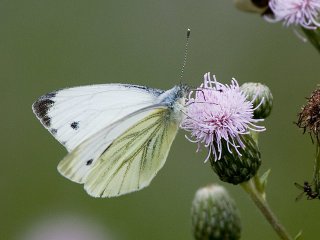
(309, 117)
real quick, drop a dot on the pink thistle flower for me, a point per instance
(296, 12)
(217, 113)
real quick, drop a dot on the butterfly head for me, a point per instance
(184, 90)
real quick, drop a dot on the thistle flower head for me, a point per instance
(296, 12)
(309, 117)
(218, 112)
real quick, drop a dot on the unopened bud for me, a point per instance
(261, 96)
(215, 215)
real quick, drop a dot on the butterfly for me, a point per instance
(117, 136)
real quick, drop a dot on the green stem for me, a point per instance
(316, 171)
(313, 36)
(262, 204)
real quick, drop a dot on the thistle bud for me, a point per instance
(237, 165)
(261, 98)
(214, 215)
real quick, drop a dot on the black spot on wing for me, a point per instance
(74, 125)
(89, 162)
(54, 131)
(42, 106)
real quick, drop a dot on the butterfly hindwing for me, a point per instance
(74, 114)
(79, 162)
(132, 160)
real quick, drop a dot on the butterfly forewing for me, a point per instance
(74, 114)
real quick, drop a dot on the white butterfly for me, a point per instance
(118, 135)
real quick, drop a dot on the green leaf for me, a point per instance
(264, 180)
(298, 236)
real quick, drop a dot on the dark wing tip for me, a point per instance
(42, 106)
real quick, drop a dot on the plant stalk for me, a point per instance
(316, 170)
(260, 201)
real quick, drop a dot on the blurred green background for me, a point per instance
(46, 45)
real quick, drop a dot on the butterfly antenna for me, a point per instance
(185, 54)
